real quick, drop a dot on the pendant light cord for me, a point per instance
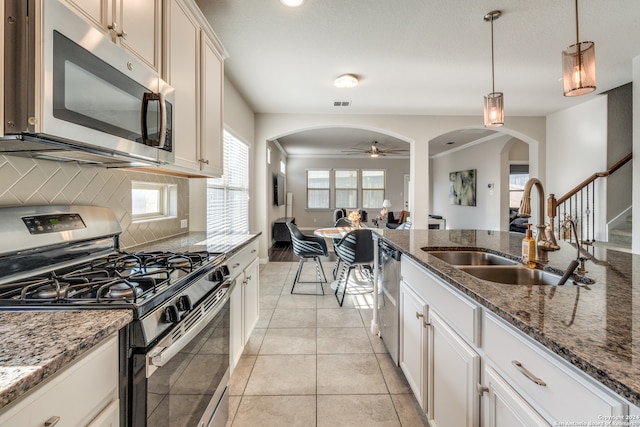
(493, 88)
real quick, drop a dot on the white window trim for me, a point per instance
(168, 195)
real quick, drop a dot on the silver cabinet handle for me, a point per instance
(527, 373)
(52, 421)
(236, 265)
(206, 162)
(419, 315)
(253, 251)
(248, 278)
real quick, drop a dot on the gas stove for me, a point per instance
(60, 257)
(68, 257)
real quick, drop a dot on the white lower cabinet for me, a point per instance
(468, 367)
(83, 394)
(413, 341)
(244, 266)
(503, 406)
(452, 376)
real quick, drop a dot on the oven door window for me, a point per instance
(89, 92)
(179, 392)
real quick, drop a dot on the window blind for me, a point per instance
(228, 196)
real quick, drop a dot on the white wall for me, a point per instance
(486, 159)
(577, 148)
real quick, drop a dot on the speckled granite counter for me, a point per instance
(596, 327)
(198, 241)
(36, 344)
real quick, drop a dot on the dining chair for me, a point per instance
(341, 222)
(355, 249)
(307, 247)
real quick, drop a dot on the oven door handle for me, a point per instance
(161, 355)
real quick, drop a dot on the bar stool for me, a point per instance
(355, 249)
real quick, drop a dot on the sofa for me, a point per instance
(393, 222)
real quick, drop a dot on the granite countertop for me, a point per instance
(37, 344)
(199, 241)
(594, 327)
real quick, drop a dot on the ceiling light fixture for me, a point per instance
(579, 66)
(493, 102)
(291, 3)
(346, 81)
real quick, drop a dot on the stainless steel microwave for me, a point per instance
(70, 93)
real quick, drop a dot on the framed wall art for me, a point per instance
(462, 188)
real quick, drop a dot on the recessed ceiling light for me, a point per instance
(291, 3)
(346, 80)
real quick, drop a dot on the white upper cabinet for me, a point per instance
(133, 24)
(194, 67)
(182, 47)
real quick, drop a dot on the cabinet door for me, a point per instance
(251, 298)
(453, 375)
(97, 11)
(140, 20)
(236, 332)
(212, 82)
(109, 417)
(183, 74)
(412, 341)
(503, 407)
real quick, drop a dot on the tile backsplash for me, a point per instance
(25, 181)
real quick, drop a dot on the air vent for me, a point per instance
(341, 103)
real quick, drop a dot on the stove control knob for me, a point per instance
(215, 276)
(184, 303)
(225, 270)
(171, 314)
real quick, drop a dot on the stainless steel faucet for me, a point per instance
(545, 240)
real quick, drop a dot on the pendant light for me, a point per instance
(579, 66)
(493, 102)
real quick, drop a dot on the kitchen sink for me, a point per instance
(516, 275)
(470, 258)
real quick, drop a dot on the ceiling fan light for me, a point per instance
(374, 155)
(346, 81)
(494, 110)
(291, 3)
(579, 69)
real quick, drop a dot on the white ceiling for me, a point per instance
(415, 56)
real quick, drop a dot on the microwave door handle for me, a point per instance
(147, 97)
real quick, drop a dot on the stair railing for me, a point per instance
(579, 205)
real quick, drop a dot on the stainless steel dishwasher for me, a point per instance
(388, 309)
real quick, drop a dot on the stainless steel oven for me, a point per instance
(181, 381)
(70, 92)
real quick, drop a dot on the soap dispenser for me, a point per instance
(529, 248)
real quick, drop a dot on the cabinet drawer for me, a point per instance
(459, 312)
(76, 395)
(565, 393)
(240, 260)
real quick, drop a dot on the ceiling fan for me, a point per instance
(374, 151)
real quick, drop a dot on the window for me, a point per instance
(228, 196)
(373, 182)
(346, 188)
(318, 189)
(268, 155)
(152, 200)
(283, 167)
(518, 177)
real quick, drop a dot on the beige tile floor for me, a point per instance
(310, 362)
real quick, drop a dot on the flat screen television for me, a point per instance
(278, 189)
